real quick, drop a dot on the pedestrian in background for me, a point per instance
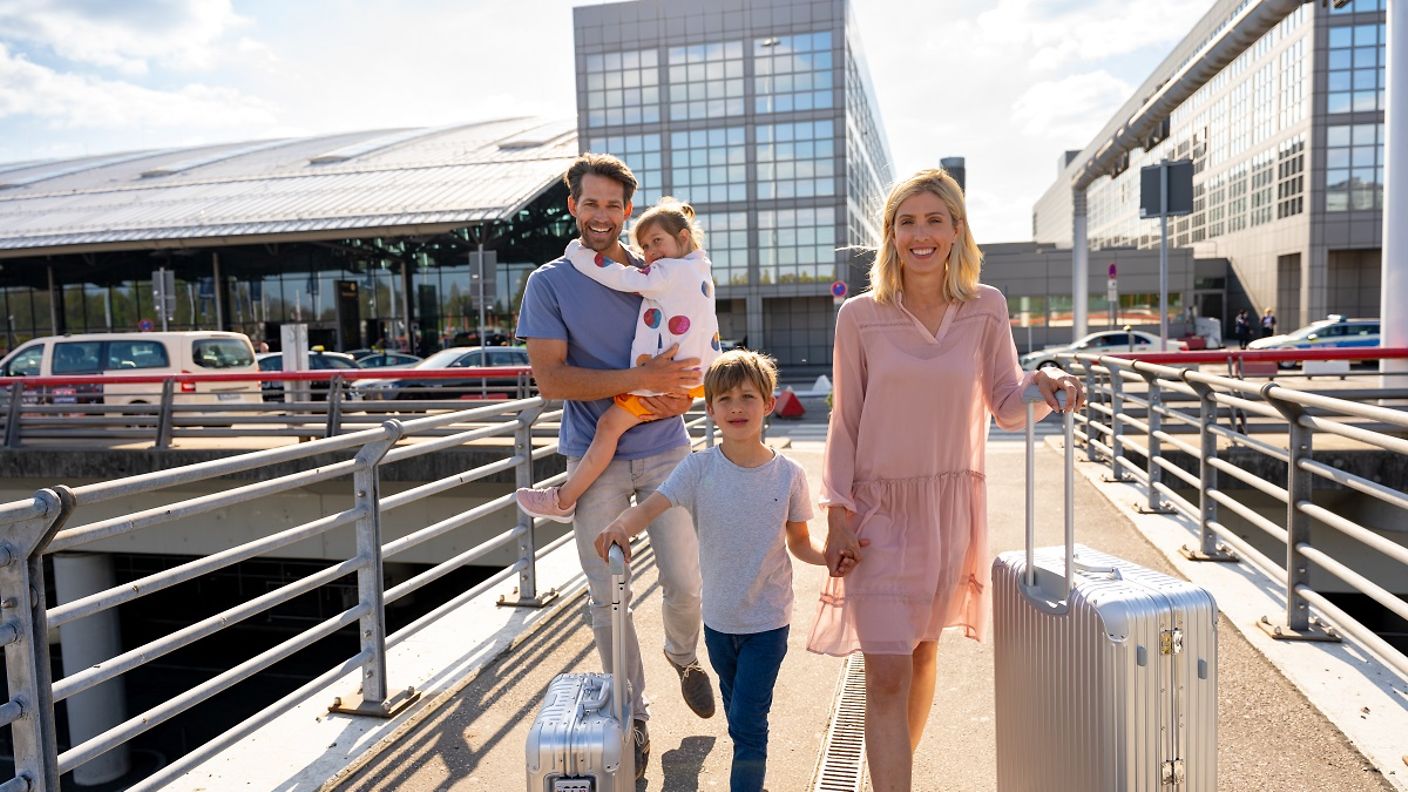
(1242, 328)
(1268, 324)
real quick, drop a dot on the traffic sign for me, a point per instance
(146, 326)
(839, 291)
(1112, 271)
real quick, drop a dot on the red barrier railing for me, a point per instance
(1265, 355)
(272, 376)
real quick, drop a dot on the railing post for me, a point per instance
(1116, 426)
(334, 426)
(526, 595)
(372, 698)
(1298, 625)
(22, 615)
(708, 430)
(12, 420)
(1155, 446)
(163, 419)
(1208, 549)
(1091, 454)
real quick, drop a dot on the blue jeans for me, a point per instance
(747, 666)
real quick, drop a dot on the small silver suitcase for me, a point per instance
(1106, 672)
(581, 740)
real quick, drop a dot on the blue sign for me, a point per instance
(838, 289)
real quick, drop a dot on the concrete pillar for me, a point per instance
(1314, 291)
(1080, 267)
(755, 334)
(1393, 305)
(86, 642)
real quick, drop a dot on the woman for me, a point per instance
(921, 361)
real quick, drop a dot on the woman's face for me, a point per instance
(924, 233)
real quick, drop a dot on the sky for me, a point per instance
(1008, 84)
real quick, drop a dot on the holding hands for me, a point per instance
(843, 547)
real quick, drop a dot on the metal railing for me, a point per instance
(163, 408)
(1143, 408)
(53, 521)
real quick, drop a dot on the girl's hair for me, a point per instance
(672, 215)
(964, 259)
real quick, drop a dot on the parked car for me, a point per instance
(1103, 342)
(85, 354)
(318, 360)
(1332, 332)
(408, 386)
(386, 359)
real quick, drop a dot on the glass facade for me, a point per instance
(1246, 132)
(623, 88)
(766, 127)
(1354, 167)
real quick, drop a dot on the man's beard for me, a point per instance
(584, 235)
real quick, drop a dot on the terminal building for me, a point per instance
(1286, 142)
(761, 115)
(403, 238)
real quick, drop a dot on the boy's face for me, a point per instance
(739, 411)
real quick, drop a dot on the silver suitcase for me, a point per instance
(581, 740)
(1106, 672)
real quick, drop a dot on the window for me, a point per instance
(642, 154)
(709, 165)
(797, 245)
(623, 88)
(77, 357)
(25, 363)
(706, 80)
(726, 239)
(1354, 159)
(796, 160)
(221, 353)
(124, 355)
(1356, 69)
(793, 73)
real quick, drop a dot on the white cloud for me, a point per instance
(127, 36)
(1055, 34)
(79, 101)
(1072, 108)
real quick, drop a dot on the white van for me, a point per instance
(191, 352)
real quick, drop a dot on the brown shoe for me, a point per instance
(695, 687)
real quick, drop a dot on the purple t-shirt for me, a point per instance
(598, 325)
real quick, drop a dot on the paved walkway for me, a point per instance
(1270, 736)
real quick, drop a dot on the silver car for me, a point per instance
(1103, 342)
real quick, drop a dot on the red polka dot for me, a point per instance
(679, 325)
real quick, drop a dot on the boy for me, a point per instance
(750, 505)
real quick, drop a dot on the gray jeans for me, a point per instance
(676, 556)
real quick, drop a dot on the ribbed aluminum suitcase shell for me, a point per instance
(1110, 686)
(581, 740)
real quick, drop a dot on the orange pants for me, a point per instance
(632, 403)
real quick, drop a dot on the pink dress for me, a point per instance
(904, 454)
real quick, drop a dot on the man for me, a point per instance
(579, 337)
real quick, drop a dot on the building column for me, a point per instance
(754, 303)
(218, 284)
(84, 643)
(1393, 297)
(1314, 290)
(1080, 267)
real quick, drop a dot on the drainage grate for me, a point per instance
(842, 764)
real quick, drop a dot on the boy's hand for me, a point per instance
(613, 534)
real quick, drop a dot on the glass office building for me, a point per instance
(761, 115)
(1287, 149)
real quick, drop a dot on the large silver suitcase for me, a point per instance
(1106, 672)
(581, 740)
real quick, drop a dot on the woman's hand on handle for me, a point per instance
(1050, 384)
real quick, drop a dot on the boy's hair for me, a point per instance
(736, 367)
(600, 165)
(672, 215)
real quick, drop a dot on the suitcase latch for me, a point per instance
(1171, 641)
(1172, 772)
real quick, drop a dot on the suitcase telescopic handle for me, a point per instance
(1032, 396)
(620, 703)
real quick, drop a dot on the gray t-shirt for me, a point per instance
(741, 514)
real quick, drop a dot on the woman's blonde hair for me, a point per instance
(965, 260)
(674, 216)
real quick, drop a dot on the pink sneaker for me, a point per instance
(542, 502)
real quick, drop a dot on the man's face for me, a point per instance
(601, 212)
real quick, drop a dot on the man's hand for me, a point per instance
(614, 534)
(662, 374)
(668, 406)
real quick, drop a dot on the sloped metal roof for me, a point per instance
(412, 180)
